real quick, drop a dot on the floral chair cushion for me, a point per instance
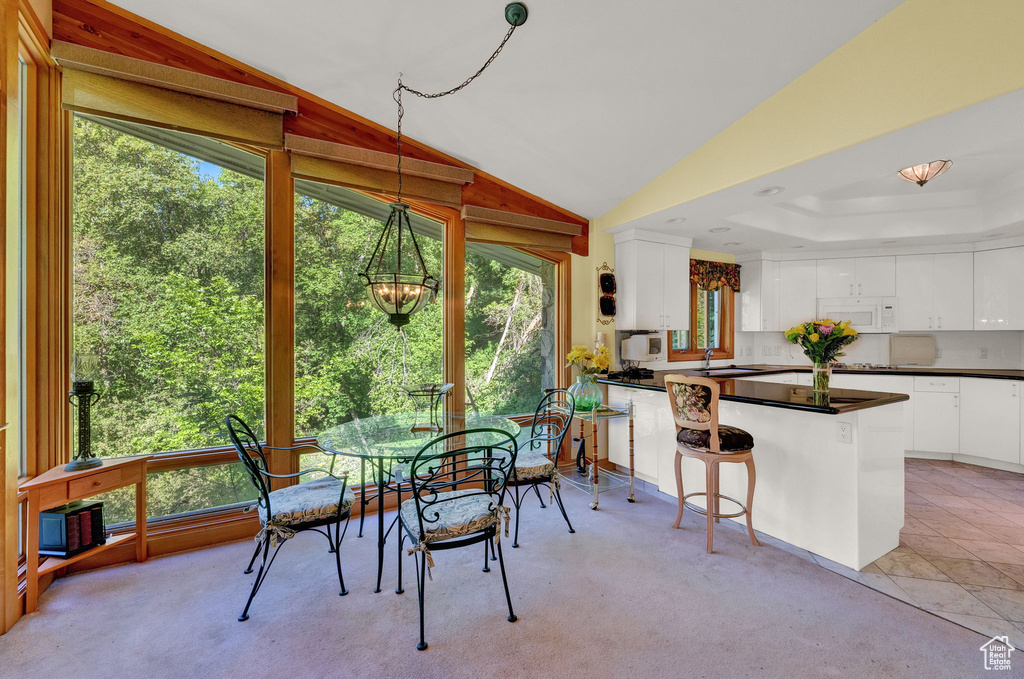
(730, 439)
(458, 513)
(307, 502)
(531, 464)
(692, 402)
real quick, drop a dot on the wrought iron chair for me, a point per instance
(317, 505)
(457, 501)
(536, 463)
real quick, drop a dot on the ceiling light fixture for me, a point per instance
(676, 220)
(396, 276)
(720, 229)
(727, 244)
(922, 174)
(769, 191)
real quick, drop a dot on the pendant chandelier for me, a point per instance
(922, 174)
(396, 277)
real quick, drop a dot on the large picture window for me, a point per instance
(168, 270)
(510, 329)
(349, 361)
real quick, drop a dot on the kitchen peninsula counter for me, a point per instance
(829, 477)
(775, 395)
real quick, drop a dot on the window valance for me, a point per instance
(714, 275)
(123, 88)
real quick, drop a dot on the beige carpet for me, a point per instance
(625, 596)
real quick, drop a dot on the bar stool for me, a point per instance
(694, 402)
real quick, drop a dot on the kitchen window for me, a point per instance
(712, 326)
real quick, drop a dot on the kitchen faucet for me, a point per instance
(707, 358)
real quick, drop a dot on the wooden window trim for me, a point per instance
(728, 330)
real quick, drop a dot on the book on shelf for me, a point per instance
(71, 529)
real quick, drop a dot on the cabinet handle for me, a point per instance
(929, 322)
(851, 289)
(956, 400)
(860, 289)
(939, 325)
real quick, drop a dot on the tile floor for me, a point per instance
(961, 553)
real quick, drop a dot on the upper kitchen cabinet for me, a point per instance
(775, 296)
(998, 280)
(935, 291)
(652, 273)
(797, 293)
(759, 295)
(856, 277)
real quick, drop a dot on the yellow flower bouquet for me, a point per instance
(821, 341)
(586, 392)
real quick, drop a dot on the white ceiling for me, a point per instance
(589, 101)
(854, 198)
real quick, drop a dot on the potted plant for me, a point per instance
(821, 342)
(586, 392)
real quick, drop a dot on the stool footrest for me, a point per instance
(704, 512)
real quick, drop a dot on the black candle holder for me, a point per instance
(83, 396)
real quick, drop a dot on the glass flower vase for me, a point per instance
(821, 374)
(586, 392)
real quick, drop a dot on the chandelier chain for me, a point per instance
(397, 96)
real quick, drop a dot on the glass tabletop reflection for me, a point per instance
(398, 435)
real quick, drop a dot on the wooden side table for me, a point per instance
(58, 487)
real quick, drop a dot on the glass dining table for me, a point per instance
(383, 441)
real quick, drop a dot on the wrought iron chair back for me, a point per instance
(251, 454)
(551, 421)
(475, 469)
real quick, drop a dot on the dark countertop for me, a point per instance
(775, 395)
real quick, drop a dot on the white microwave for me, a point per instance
(866, 314)
(642, 348)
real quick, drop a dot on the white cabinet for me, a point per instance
(936, 422)
(759, 295)
(652, 277)
(990, 419)
(954, 291)
(935, 291)
(653, 430)
(677, 287)
(998, 280)
(797, 293)
(856, 277)
(876, 276)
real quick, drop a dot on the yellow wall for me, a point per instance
(922, 60)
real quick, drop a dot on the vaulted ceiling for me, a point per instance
(647, 113)
(589, 101)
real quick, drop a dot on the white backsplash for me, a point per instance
(1004, 349)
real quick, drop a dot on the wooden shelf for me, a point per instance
(53, 563)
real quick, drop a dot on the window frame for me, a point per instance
(727, 324)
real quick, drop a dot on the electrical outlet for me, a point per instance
(983, 352)
(938, 352)
(766, 351)
(845, 433)
(778, 351)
